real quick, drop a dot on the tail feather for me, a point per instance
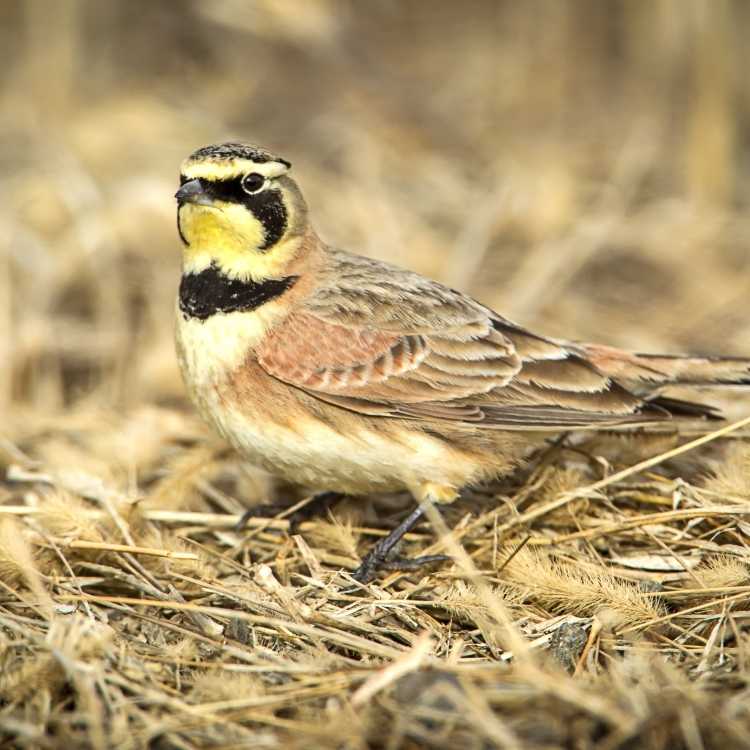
(644, 372)
(701, 370)
(677, 407)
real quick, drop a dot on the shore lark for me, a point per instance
(345, 373)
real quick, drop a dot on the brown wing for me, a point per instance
(382, 341)
(360, 362)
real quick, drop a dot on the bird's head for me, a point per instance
(238, 209)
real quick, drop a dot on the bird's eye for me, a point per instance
(253, 182)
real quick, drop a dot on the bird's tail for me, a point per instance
(658, 370)
(648, 375)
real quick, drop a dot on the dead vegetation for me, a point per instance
(580, 166)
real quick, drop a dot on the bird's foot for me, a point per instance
(373, 563)
(379, 557)
(317, 505)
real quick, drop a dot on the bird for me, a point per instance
(348, 374)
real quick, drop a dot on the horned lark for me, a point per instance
(345, 373)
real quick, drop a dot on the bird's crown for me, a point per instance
(221, 161)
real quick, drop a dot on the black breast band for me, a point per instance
(209, 292)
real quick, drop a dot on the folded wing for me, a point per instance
(382, 341)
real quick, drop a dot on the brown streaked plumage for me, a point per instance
(346, 373)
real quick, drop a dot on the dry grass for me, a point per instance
(580, 165)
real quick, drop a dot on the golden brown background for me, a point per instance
(583, 166)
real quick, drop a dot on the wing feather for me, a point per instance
(382, 341)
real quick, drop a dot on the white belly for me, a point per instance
(362, 460)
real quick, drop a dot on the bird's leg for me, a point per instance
(378, 558)
(319, 502)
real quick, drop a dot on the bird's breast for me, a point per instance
(210, 348)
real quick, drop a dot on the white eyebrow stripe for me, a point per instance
(227, 170)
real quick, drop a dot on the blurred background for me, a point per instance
(584, 166)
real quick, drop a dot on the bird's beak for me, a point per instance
(193, 192)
